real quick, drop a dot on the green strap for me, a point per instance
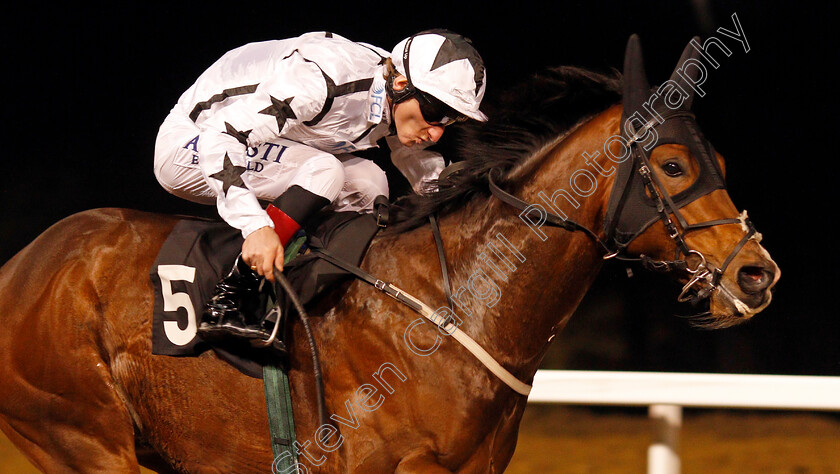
(281, 423)
(278, 400)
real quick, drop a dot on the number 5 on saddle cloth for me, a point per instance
(197, 253)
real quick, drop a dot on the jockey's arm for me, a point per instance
(237, 204)
(227, 132)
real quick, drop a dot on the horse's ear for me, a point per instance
(636, 86)
(686, 71)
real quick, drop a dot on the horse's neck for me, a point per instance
(519, 289)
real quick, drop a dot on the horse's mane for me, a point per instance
(526, 118)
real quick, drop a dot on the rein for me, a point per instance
(427, 312)
(552, 220)
(704, 273)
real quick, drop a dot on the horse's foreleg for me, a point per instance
(78, 452)
(59, 403)
(420, 462)
(87, 430)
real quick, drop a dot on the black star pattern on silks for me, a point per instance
(230, 175)
(241, 137)
(281, 110)
(451, 51)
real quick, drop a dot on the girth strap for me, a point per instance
(281, 423)
(278, 399)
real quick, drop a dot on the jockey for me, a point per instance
(277, 122)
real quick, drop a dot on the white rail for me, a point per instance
(666, 393)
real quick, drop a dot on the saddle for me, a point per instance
(197, 253)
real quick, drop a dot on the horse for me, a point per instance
(526, 225)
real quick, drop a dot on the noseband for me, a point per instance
(638, 190)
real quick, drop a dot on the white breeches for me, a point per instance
(350, 183)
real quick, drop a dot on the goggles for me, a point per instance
(435, 112)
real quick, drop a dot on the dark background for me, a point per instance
(85, 89)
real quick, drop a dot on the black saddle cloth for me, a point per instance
(198, 253)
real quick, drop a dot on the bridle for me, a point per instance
(704, 272)
(638, 198)
(704, 277)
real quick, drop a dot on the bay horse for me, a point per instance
(80, 390)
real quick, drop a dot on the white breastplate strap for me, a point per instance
(517, 385)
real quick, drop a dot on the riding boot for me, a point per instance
(234, 308)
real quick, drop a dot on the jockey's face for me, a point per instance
(411, 127)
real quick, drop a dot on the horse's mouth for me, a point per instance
(724, 308)
(745, 306)
(740, 294)
(727, 309)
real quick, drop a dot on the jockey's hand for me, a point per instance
(262, 249)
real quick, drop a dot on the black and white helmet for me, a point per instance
(444, 65)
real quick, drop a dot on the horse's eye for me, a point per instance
(672, 168)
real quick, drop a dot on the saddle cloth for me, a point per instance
(198, 253)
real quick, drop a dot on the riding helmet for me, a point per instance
(444, 65)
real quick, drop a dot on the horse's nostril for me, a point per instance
(754, 279)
